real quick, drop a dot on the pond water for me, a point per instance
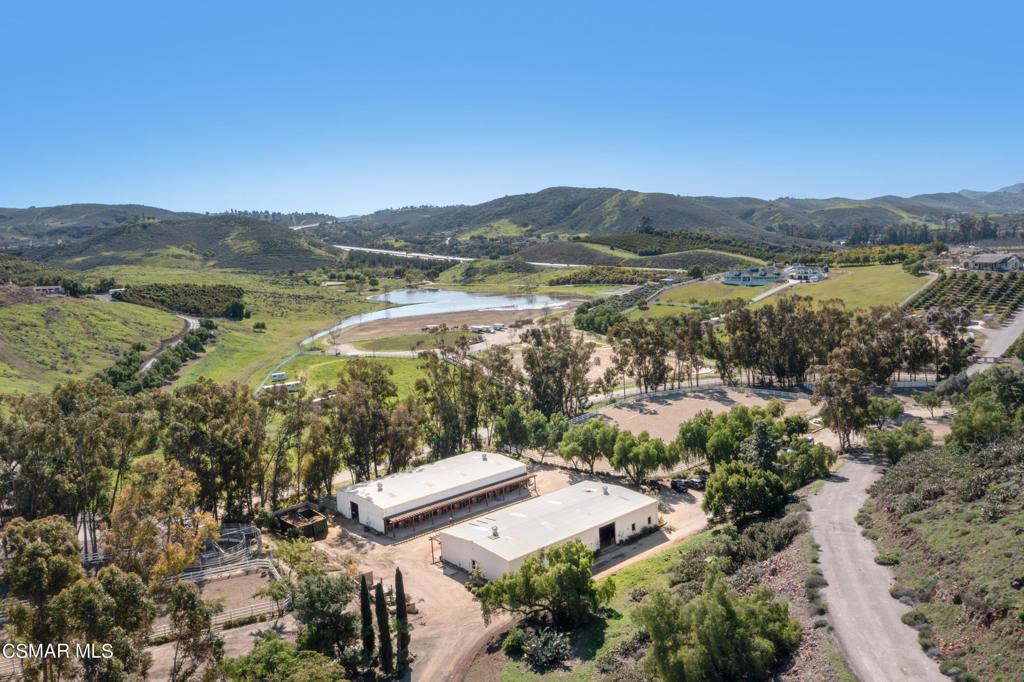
(412, 302)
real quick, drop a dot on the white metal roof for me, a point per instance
(550, 519)
(438, 480)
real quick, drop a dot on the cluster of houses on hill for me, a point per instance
(767, 274)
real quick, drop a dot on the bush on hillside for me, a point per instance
(207, 300)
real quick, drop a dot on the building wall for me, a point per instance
(372, 515)
(462, 552)
(369, 514)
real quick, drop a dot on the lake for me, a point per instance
(413, 302)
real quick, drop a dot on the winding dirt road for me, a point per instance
(877, 645)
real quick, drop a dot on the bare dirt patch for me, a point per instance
(408, 325)
(661, 417)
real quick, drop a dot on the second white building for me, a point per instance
(598, 514)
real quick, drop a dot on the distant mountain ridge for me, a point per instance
(18, 226)
(511, 223)
(74, 221)
(224, 241)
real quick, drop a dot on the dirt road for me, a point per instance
(877, 645)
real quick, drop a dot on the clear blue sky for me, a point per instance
(350, 107)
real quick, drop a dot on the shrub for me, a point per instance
(638, 593)
(515, 642)
(717, 634)
(545, 649)
(815, 580)
(887, 559)
(915, 618)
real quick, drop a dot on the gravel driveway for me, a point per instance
(877, 645)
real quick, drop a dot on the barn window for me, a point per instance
(648, 520)
(634, 526)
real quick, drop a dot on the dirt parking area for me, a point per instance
(661, 416)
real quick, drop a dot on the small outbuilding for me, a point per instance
(304, 518)
(598, 514)
(428, 494)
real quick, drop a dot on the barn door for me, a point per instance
(606, 535)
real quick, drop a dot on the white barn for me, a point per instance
(600, 515)
(425, 494)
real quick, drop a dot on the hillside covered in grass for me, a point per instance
(951, 520)
(65, 338)
(222, 241)
(24, 272)
(508, 224)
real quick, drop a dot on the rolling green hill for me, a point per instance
(75, 221)
(55, 340)
(222, 241)
(513, 223)
(508, 224)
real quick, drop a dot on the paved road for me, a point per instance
(190, 324)
(774, 290)
(877, 645)
(463, 259)
(997, 341)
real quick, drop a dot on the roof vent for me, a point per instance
(605, 490)
(380, 487)
(494, 531)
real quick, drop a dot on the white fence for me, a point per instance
(264, 608)
(712, 385)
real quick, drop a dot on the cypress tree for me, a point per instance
(367, 620)
(402, 625)
(387, 662)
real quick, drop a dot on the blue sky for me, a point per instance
(351, 107)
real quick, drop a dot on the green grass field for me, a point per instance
(410, 341)
(65, 338)
(710, 291)
(860, 287)
(499, 228)
(317, 369)
(292, 309)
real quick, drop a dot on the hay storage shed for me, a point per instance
(430, 493)
(598, 514)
